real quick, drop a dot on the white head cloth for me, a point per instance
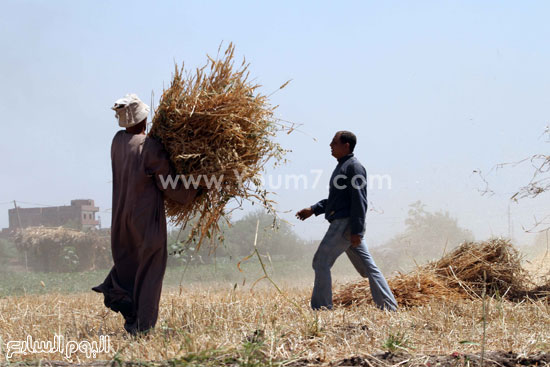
(130, 110)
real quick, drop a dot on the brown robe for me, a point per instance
(138, 230)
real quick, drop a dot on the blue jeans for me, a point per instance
(335, 242)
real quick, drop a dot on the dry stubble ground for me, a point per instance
(221, 326)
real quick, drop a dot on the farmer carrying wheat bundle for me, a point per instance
(138, 230)
(345, 209)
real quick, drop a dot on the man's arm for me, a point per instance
(157, 164)
(359, 202)
(316, 209)
(319, 207)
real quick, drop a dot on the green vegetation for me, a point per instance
(219, 273)
(8, 251)
(397, 342)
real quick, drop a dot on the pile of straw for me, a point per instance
(43, 248)
(541, 291)
(33, 238)
(492, 267)
(215, 124)
(413, 289)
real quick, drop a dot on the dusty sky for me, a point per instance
(432, 89)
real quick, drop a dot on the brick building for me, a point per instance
(81, 212)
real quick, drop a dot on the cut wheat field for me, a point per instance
(207, 325)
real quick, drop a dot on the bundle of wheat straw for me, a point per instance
(492, 267)
(412, 289)
(217, 127)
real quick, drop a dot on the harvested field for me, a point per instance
(443, 321)
(221, 326)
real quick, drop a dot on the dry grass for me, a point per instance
(216, 125)
(259, 326)
(210, 324)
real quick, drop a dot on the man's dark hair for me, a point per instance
(348, 137)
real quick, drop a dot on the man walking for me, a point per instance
(345, 209)
(138, 230)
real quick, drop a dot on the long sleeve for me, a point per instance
(358, 194)
(319, 207)
(157, 164)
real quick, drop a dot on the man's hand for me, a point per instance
(304, 213)
(355, 240)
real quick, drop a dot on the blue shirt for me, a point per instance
(347, 197)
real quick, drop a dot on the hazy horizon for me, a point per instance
(433, 90)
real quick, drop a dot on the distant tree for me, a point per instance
(426, 237)
(275, 237)
(182, 253)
